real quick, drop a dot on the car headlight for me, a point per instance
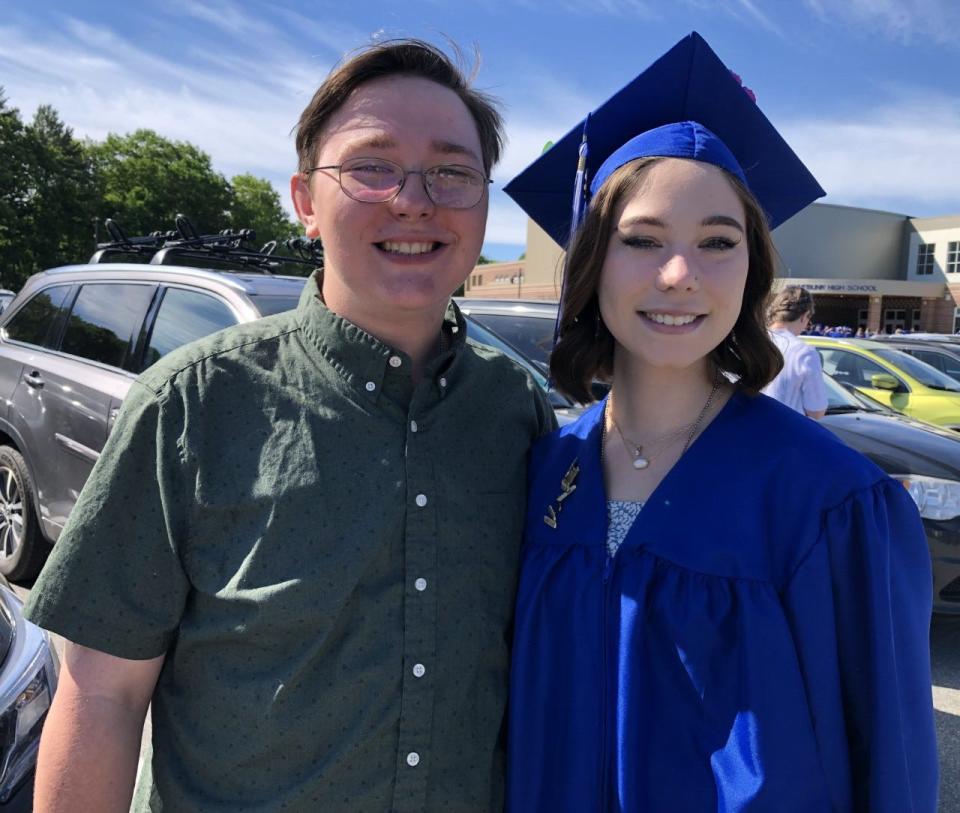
(936, 498)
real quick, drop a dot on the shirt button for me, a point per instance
(443, 382)
(419, 670)
(421, 500)
(420, 584)
(370, 386)
(395, 361)
(413, 759)
(413, 426)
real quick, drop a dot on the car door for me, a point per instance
(181, 315)
(75, 389)
(25, 342)
(849, 367)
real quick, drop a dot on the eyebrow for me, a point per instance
(713, 220)
(384, 142)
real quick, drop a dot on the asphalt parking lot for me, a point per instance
(945, 662)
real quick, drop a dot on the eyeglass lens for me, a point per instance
(375, 180)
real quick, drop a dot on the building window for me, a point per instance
(953, 258)
(925, 258)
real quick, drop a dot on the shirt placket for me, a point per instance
(419, 619)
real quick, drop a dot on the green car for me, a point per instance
(892, 377)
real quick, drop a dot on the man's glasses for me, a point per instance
(375, 180)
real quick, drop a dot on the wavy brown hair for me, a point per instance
(400, 57)
(584, 350)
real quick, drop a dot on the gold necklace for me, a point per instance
(635, 450)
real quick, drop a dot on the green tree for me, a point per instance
(145, 180)
(257, 206)
(46, 195)
(63, 202)
(14, 190)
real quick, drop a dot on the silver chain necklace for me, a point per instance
(641, 461)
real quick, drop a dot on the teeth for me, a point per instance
(406, 248)
(667, 319)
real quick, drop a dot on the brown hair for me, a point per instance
(792, 303)
(409, 57)
(585, 348)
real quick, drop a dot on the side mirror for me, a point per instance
(884, 381)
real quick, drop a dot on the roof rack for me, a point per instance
(230, 248)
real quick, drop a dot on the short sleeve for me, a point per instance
(813, 390)
(860, 606)
(114, 581)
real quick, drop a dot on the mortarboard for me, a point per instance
(687, 104)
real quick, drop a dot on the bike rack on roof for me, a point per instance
(229, 248)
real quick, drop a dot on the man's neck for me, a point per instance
(796, 328)
(416, 334)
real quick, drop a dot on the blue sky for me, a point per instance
(865, 91)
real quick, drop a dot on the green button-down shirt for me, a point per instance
(327, 554)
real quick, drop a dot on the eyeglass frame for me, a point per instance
(406, 172)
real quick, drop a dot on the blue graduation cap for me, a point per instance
(687, 104)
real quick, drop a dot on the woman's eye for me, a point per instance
(719, 243)
(640, 242)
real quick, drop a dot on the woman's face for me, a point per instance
(672, 282)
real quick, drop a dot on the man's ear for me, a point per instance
(303, 204)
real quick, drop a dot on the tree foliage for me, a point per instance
(56, 190)
(145, 181)
(256, 205)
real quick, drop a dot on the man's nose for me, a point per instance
(412, 201)
(679, 271)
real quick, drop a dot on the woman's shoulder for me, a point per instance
(568, 438)
(800, 446)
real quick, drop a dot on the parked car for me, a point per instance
(937, 352)
(6, 297)
(892, 377)
(72, 344)
(526, 325)
(28, 680)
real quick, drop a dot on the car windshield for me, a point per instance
(843, 399)
(920, 370)
(531, 335)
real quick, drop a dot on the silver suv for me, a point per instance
(71, 344)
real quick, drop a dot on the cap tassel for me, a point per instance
(580, 190)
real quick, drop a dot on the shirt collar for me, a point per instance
(363, 360)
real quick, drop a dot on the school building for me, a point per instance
(865, 268)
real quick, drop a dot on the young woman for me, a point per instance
(721, 606)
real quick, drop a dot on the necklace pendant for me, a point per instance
(640, 462)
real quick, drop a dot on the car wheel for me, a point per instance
(23, 549)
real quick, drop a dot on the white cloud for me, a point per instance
(905, 154)
(905, 21)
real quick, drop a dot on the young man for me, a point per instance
(799, 384)
(300, 542)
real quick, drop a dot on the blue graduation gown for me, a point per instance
(760, 641)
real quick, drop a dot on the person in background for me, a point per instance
(300, 543)
(799, 384)
(722, 607)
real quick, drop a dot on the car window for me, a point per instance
(944, 363)
(847, 367)
(33, 322)
(479, 333)
(531, 335)
(269, 304)
(924, 373)
(183, 317)
(104, 318)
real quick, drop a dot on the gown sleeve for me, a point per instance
(859, 604)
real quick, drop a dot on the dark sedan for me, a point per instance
(926, 459)
(942, 352)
